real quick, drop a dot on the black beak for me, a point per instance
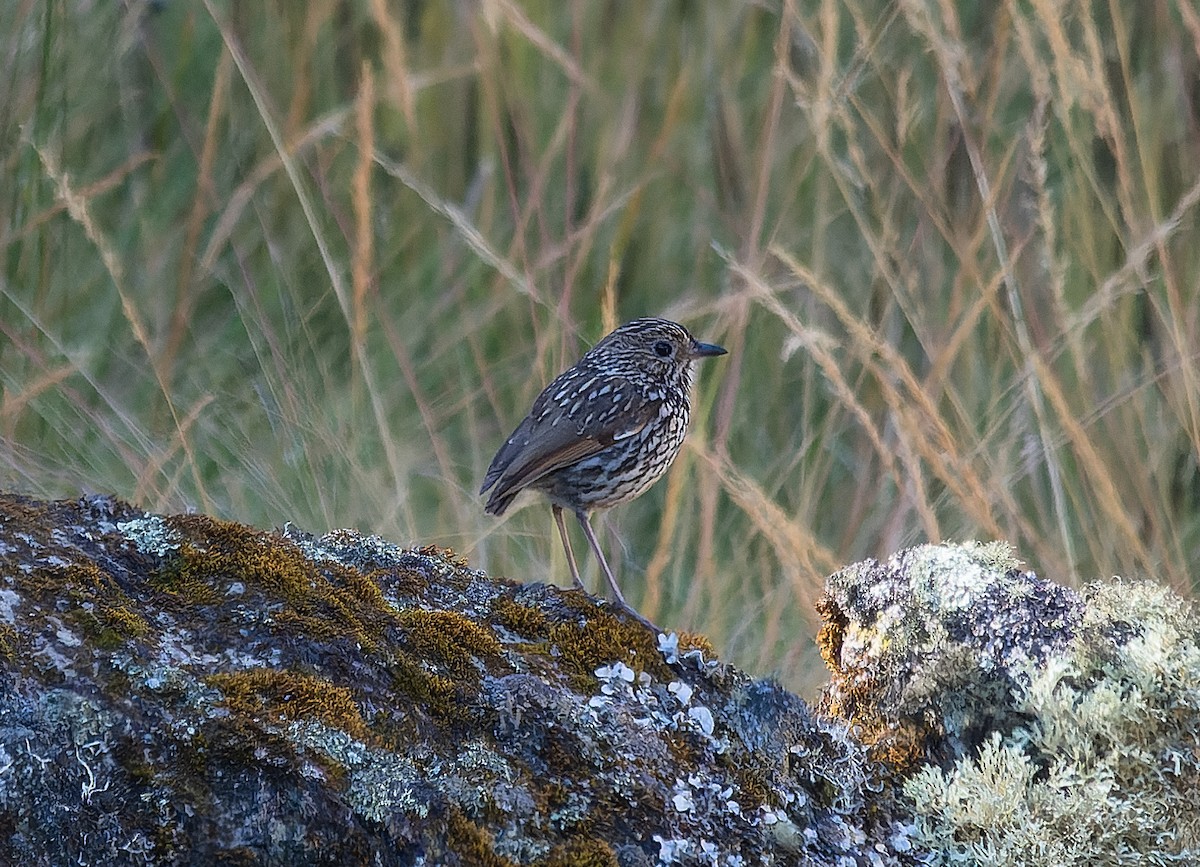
(704, 350)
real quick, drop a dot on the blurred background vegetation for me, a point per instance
(312, 262)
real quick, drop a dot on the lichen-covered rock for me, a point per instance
(180, 690)
(1041, 726)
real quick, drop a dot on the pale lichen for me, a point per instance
(1041, 727)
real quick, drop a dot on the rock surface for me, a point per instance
(180, 690)
(1031, 724)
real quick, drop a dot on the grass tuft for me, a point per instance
(312, 263)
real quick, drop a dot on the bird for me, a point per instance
(603, 431)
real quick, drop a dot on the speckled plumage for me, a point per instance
(604, 430)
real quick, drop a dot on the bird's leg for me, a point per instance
(562, 531)
(612, 582)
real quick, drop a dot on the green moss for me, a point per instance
(284, 695)
(361, 588)
(753, 788)
(320, 602)
(580, 853)
(696, 641)
(241, 856)
(90, 600)
(449, 639)
(431, 692)
(471, 843)
(451, 556)
(9, 642)
(565, 758)
(603, 640)
(141, 772)
(438, 661)
(109, 626)
(401, 584)
(519, 618)
(166, 838)
(180, 577)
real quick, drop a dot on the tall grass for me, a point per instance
(311, 263)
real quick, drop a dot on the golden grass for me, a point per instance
(312, 263)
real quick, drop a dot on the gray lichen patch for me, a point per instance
(907, 640)
(179, 689)
(1041, 726)
(221, 693)
(151, 534)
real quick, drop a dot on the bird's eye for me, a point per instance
(662, 349)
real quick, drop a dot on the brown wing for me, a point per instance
(558, 433)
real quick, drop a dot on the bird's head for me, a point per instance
(661, 349)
